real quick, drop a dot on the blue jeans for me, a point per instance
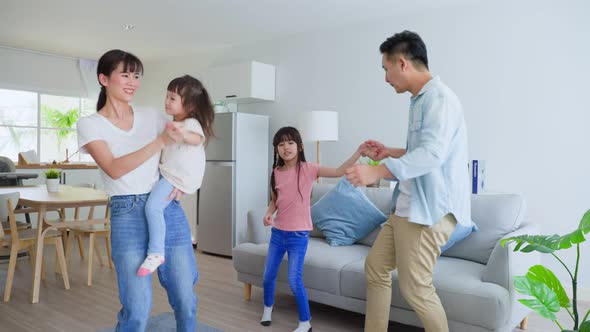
(154, 212)
(295, 245)
(178, 275)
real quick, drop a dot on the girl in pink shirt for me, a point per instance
(291, 184)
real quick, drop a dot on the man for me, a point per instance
(432, 196)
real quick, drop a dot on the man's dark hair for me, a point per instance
(407, 43)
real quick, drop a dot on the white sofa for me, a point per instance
(473, 278)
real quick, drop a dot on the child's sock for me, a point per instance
(303, 327)
(150, 264)
(266, 316)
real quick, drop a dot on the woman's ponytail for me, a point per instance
(102, 98)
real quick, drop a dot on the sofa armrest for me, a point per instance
(504, 263)
(257, 232)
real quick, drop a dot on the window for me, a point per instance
(44, 123)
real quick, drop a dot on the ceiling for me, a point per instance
(87, 28)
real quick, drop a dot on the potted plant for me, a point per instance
(52, 176)
(548, 294)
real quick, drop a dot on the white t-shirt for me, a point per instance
(147, 124)
(402, 206)
(183, 165)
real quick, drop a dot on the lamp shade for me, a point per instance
(319, 126)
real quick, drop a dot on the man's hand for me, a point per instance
(176, 194)
(362, 175)
(267, 219)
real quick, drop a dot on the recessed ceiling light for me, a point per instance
(128, 26)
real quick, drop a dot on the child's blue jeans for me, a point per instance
(295, 245)
(154, 212)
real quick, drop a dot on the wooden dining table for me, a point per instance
(39, 200)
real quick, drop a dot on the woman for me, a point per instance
(126, 143)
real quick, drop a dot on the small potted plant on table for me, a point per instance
(52, 175)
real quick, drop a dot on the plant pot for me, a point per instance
(52, 185)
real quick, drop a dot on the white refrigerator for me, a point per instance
(236, 180)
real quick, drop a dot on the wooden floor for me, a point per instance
(221, 303)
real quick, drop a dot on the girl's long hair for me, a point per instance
(108, 62)
(196, 101)
(286, 134)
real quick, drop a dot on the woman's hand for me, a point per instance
(267, 219)
(172, 134)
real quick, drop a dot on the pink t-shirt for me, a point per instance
(293, 210)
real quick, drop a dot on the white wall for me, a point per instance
(520, 69)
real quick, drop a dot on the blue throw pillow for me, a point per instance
(345, 214)
(459, 234)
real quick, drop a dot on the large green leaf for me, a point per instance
(550, 243)
(585, 327)
(545, 301)
(527, 243)
(539, 308)
(576, 236)
(57, 119)
(585, 223)
(547, 277)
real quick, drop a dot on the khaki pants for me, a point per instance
(413, 250)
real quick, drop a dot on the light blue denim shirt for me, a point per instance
(436, 159)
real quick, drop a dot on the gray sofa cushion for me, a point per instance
(493, 223)
(381, 197)
(319, 190)
(322, 262)
(459, 285)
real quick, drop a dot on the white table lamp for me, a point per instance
(319, 126)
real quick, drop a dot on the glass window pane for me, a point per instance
(59, 112)
(14, 140)
(54, 143)
(88, 107)
(18, 108)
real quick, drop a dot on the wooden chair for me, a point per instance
(25, 240)
(92, 232)
(21, 226)
(65, 231)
